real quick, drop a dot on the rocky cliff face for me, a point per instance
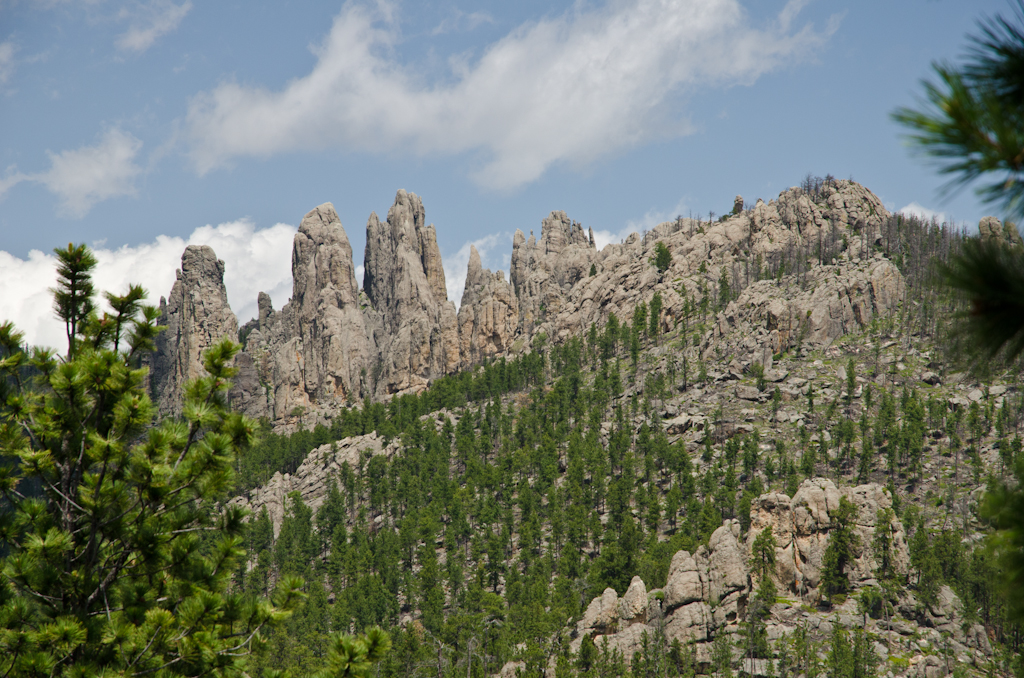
(557, 294)
(332, 344)
(543, 273)
(830, 302)
(317, 347)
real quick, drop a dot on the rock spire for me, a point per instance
(195, 316)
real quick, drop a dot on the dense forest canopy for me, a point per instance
(527, 486)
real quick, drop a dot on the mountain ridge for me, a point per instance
(334, 344)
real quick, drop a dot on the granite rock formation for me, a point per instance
(315, 348)
(991, 229)
(312, 479)
(404, 281)
(195, 315)
(489, 314)
(707, 592)
(334, 344)
(543, 273)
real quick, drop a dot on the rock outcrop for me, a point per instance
(543, 273)
(405, 283)
(195, 316)
(991, 229)
(313, 478)
(315, 349)
(488, 315)
(801, 529)
(707, 592)
(553, 275)
(333, 344)
(830, 302)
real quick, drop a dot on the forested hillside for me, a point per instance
(478, 519)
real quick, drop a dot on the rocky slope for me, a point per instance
(821, 314)
(707, 592)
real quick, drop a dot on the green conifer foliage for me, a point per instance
(662, 256)
(116, 561)
(842, 543)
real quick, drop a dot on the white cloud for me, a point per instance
(455, 265)
(922, 212)
(6, 61)
(87, 175)
(150, 22)
(255, 260)
(567, 89)
(26, 299)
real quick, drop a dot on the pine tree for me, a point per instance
(73, 297)
(117, 561)
(654, 328)
(840, 550)
(662, 256)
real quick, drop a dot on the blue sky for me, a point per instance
(141, 126)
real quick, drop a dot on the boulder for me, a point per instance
(684, 582)
(633, 604)
(946, 604)
(801, 527)
(689, 623)
(727, 561)
(602, 614)
(744, 392)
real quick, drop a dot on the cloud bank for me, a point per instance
(567, 89)
(255, 260)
